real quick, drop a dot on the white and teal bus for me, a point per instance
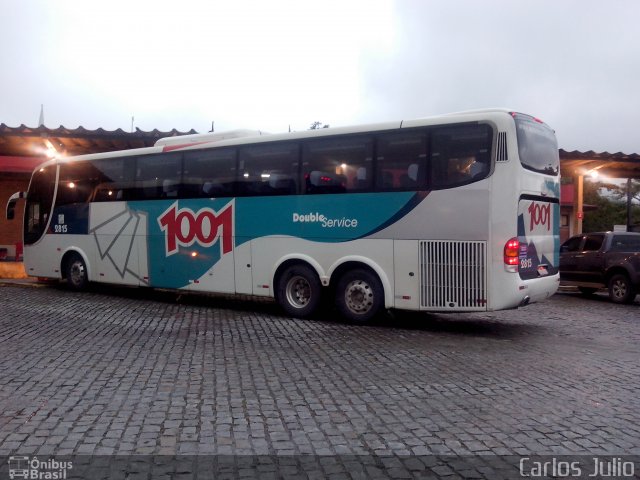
(455, 213)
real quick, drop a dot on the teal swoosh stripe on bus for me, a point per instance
(343, 218)
(410, 205)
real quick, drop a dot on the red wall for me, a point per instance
(11, 230)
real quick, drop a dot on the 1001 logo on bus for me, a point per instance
(540, 215)
(183, 227)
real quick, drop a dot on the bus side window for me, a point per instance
(158, 175)
(401, 159)
(114, 179)
(460, 154)
(76, 183)
(338, 165)
(268, 169)
(209, 173)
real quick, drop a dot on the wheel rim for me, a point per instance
(77, 273)
(298, 291)
(358, 296)
(619, 289)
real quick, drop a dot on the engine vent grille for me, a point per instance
(501, 147)
(453, 275)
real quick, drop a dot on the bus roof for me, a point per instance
(242, 137)
(208, 137)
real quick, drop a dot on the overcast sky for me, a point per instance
(273, 64)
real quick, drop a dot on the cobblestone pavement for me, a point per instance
(132, 371)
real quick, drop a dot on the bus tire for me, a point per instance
(359, 295)
(76, 272)
(298, 290)
(621, 289)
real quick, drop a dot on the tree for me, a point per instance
(609, 210)
(620, 191)
(629, 194)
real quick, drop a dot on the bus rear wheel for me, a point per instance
(298, 290)
(359, 295)
(76, 272)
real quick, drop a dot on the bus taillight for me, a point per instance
(511, 249)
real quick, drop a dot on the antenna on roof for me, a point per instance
(41, 119)
(132, 118)
(212, 129)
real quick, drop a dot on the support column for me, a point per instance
(629, 198)
(578, 207)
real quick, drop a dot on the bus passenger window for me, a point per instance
(76, 183)
(460, 154)
(268, 169)
(338, 165)
(209, 173)
(401, 161)
(158, 175)
(114, 178)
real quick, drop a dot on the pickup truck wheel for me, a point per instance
(620, 289)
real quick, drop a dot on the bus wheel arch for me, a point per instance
(74, 268)
(297, 287)
(360, 292)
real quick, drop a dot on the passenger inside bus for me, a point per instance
(460, 169)
(410, 179)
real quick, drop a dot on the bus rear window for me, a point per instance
(537, 145)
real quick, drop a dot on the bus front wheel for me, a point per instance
(359, 295)
(298, 290)
(76, 272)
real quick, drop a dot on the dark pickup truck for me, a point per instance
(602, 260)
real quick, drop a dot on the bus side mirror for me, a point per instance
(11, 204)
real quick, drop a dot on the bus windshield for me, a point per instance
(39, 202)
(537, 145)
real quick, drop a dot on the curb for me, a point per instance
(22, 282)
